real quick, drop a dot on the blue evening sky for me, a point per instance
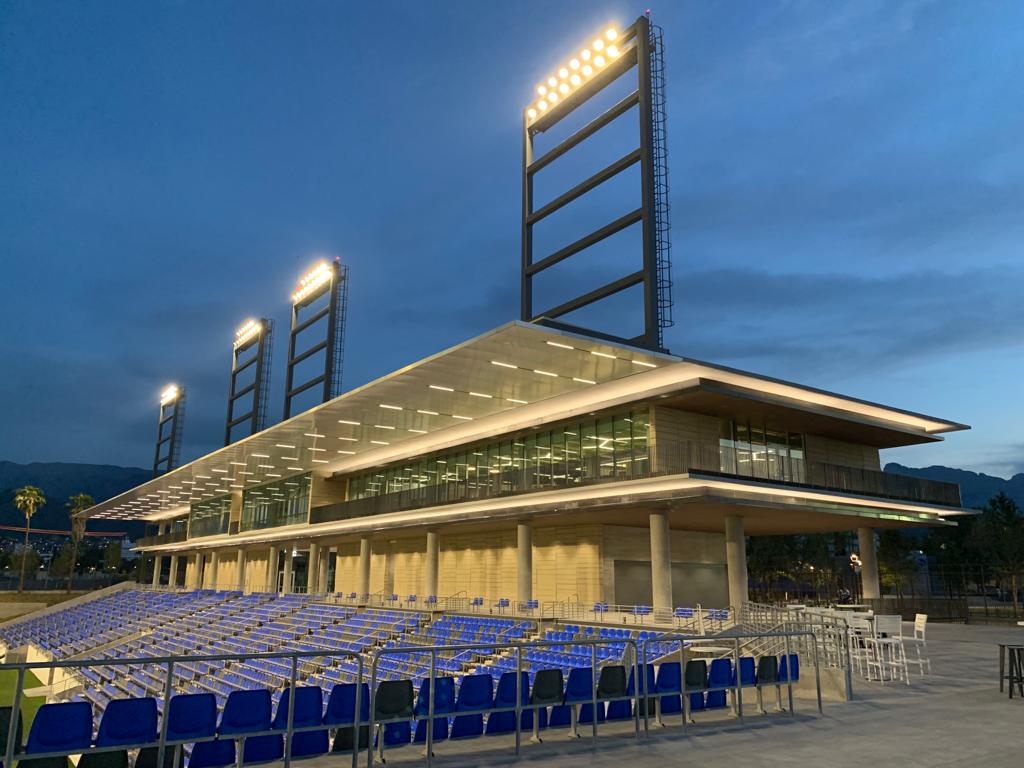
(847, 197)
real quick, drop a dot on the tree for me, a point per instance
(112, 557)
(894, 557)
(76, 505)
(27, 499)
(62, 564)
(1000, 531)
(26, 559)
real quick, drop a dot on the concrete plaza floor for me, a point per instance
(955, 717)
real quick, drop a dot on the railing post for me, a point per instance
(789, 672)
(593, 693)
(168, 686)
(817, 674)
(519, 697)
(356, 724)
(291, 712)
(430, 707)
(739, 681)
(12, 729)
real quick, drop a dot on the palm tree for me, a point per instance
(76, 505)
(28, 500)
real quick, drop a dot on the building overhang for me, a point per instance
(518, 376)
(767, 509)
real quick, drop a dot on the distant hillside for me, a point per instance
(60, 481)
(975, 488)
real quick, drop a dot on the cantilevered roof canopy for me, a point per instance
(516, 376)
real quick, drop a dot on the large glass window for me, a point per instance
(208, 518)
(284, 502)
(606, 447)
(753, 450)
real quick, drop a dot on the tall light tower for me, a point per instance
(588, 71)
(170, 423)
(250, 377)
(319, 306)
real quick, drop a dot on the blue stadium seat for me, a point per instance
(444, 704)
(476, 695)
(190, 716)
(784, 667)
(504, 697)
(309, 711)
(128, 722)
(60, 728)
(720, 680)
(249, 712)
(341, 706)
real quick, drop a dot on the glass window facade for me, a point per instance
(753, 450)
(284, 502)
(607, 447)
(208, 518)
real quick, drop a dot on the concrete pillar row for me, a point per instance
(870, 589)
(524, 562)
(661, 562)
(365, 553)
(172, 579)
(240, 570)
(313, 569)
(325, 561)
(736, 562)
(431, 565)
(272, 561)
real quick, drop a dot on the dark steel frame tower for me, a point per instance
(640, 47)
(328, 279)
(256, 336)
(170, 423)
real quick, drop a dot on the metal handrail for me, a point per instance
(162, 742)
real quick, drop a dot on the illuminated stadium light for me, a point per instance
(312, 282)
(575, 73)
(170, 394)
(249, 330)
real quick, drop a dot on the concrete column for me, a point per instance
(430, 567)
(524, 562)
(288, 586)
(365, 551)
(736, 562)
(198, 579)
(156, 570)
(272, 559)
(191, 567)
(313, 569)
(661, 562)
(240, 570)
(868, 564)
(214, 558)
(325, 561)
(172, 580)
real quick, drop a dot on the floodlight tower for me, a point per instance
(250, 361)
(309, 307)
(168, 429)
(585, 74)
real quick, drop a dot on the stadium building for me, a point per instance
(530, 464)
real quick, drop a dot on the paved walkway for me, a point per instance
(956, 717)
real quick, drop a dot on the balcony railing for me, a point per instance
(674, 459)
(172, 537)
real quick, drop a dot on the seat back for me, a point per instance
(444, 698)
(61, 727)
(477, 692)
(341, 706)
(580, 685)
(920, 625)
(789, 664)
(669, 678)
(720, 673)
(547, 687)
(245, 712)
(505, 695)
(309, 707)
(748, 671)
(889, 626)
(695, 676)
(128, 721)
(767, 670)
(612, 682)
(191, 716)
(393, 700)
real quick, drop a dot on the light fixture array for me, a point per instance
(579, 70)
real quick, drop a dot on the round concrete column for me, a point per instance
(172, 579)
(313, 569)
(156, 570)
(288, 555)
(661, 562)
(736, 562)
(240, 570)
(524, 562)
(869, 586)
(431, 564)
(365, 551)
(325, 561)
(272, 562)
(214, 561)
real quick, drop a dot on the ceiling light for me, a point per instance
(560, 346)
(382, 426)
(603, 354)
(583, 381)
(261, 455)
(545, 373)
(313, 434)
(503, 365)
(391, 407)
(379, 442)
(641, 362)
(462, 418)
(429, 413)
(481, 394)
(282, 445)
(443, 389)
(514, 400)
(345, 421)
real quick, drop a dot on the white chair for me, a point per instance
(861, 645)
(890, 655)
(920, 645)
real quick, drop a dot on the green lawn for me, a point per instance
(8, 681)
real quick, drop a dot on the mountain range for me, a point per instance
(59, 481)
